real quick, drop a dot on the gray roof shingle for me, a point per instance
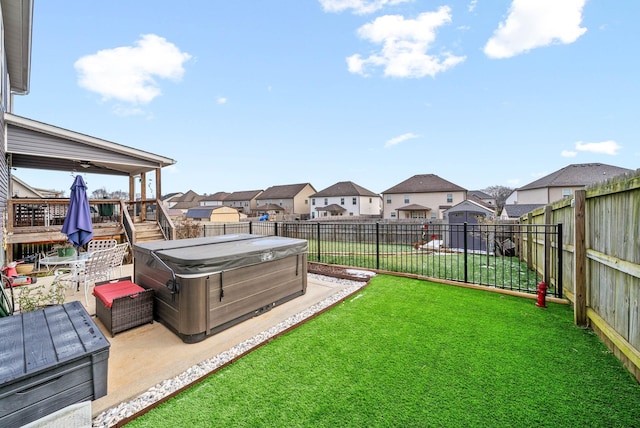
(425, 183)
(344, 188)
(286, 191)
(573, 175)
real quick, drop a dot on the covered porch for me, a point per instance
(414, 211)
(33, 224)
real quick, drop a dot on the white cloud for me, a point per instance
(472, 5)
(399, 139)
(609, 147)
(359, 7)
(221, 100)
(536, 23)
(129, 73)
(568, 154)
(405, 43)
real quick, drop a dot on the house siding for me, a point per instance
(362, 206)
(4, 106)
(437, 201)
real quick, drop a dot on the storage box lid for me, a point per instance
(203, 256)
(37, 341)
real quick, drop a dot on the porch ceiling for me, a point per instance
(37, 145)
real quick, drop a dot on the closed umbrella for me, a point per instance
(77, 224)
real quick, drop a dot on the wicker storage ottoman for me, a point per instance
(122, 304)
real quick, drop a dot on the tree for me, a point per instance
(501, 193)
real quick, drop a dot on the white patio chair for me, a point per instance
(100, 244)
(96, 267)
(117, 258)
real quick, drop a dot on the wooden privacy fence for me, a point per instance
(601, 261)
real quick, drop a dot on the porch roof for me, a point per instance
(33, 144)
(414, 207)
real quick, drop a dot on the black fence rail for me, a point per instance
(506, 256)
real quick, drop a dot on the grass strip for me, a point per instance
(408, 353)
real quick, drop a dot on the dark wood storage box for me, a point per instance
(121, 305)
(221, 280)
(49, 359)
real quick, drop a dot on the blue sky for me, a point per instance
(248, 94)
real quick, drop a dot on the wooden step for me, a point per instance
(148, 231)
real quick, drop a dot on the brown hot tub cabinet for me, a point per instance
(205, 285)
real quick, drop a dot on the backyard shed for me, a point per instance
(219, 214)
(472, 213)
(205, 285)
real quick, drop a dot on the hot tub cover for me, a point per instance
(195, 257)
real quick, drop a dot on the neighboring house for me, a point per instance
(271, 211)
(169, 200)
(215, 200)
(484, 197)
(421, 196)
(20, 189)
(182, 203)
(243, 201)
(345, 199)
(292, 198)
(515, 211)
(219, 214)
(563, 183)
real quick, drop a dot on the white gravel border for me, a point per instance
(112, 416)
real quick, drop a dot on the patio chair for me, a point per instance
(119, 253)
(100, 244)
(96, 267)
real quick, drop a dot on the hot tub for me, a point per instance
(205, 285)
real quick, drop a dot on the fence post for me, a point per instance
(275, 228)
(579, 259)
(318, 240)
(377, 246)
(546, 274)
(559, 261)
(466, 274)
(530, 264)
(250, 227)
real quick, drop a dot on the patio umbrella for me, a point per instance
(77, 224)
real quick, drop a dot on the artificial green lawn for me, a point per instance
(409, 353)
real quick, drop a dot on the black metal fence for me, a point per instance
(506, 256)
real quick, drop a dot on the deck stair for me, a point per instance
(148, 231)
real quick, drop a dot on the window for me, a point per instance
(326, 201)
(393, 214)
(388, 199)
(449, 197)
(341, 201)
(306, 201)
(406, 199)
(354, 201)
(370, 200)
(566, 193)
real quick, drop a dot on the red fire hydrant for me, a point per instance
(542, 295)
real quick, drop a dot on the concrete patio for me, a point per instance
(147, 355)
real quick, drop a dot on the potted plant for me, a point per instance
(30, 298)
(65, 250)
